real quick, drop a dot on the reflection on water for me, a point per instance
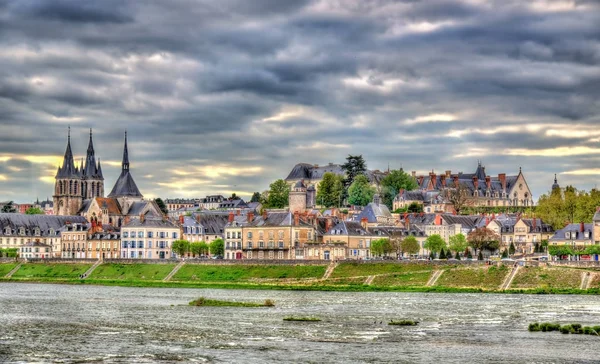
(68, 324)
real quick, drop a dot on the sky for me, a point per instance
(227, 96)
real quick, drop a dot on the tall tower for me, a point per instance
(297, 197)
(125, 190)
(93, 181)
(68, 195)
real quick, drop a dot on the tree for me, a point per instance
(234, 197)
(568, 205)
(410, 245)
(217, 247)
(199, 248)
(180, 247)
(330, 190)
(360, 192)
(161, 205)
(434, 243)
(480, 256)
(442, 254)
(511, 248)
(278, 194)
(458, 243)
(355, 166)
(504, 254)
(395, 181)
(415, 207)
(9, 207)
(34, 211)
(255, 197)
(457, 256)
(483, 239)
(381, 247)
(458, 197)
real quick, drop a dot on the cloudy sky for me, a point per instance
(226, 96)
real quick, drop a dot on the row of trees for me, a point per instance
(480, 240)
(10, 208)
(184, 247)
(568, 205)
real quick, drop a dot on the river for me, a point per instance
(45, 323)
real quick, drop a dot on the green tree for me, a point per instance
(483, 239)
(355, 166)
(161, 205)
(180, 247)
(511, 248)
(360, 192)
(458, 243)
(234, 197)
(395, 181)
(34, 211)
(217, 247)
(381, 247)
(410, 245)
(255, 197)
(434, 243)
(330, 190)
(504, 254)
(480, 256)
(199, 248)
(442, 254)
(278, 194)
(415, 207)
(457, 256)
(9, 207)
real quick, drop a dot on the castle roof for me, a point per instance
(125, 185)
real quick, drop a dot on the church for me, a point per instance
(79, 190)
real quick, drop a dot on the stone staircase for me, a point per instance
(586, 279)
(329, 270)
(436, 275)
(174, 271)
(508, 281)
(92, 268)
(9, 274)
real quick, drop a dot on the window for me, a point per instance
(140, 244)
(280, 255)
(271, 234)
(228, 235)
(174, 235)
(125, 243)
(360, 243)
(140, 234)
(239, 235)
(249, 245)
(271, 254)
(260, 235)
(249, 234)
(261, 255)
(297, 234)
(261, 244)
(281, 245)
(280, 234)
(149, 245)
(249, 255)
(150, 234)
(125, 234)
(271, 245)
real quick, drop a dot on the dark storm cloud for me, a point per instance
(227, 96)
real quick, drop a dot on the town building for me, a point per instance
(376, 214)
(174, 204)
(205, 226)
(148, 237)
(16, 230)
(35, 250)
(445, 225)
(523, 233)
(74, 241)
(578, 235)
(347, 239)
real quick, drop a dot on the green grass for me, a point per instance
(303, 319)
(220, 303)
(537, 277)
(475, 277)
(229, 273)
(132, 271)
(51, 271)
(5, 268)
(595, 282)
(403, 280)
(352, 269)
(345, 281)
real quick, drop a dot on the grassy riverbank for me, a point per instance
(356, 277)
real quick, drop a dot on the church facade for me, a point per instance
(79, 190)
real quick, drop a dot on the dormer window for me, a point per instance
(37, 232)
(7, 231)
(568, 235)
(586, 234)
(21, 231)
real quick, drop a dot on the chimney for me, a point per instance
(502, 178)
(487, 221)
(264, 214)
(405, 216)
(420, 180)
(238, 212)
(433, 179)
(582, 226)
(250, 216)
(443, 180)
(181, 219)
(413, 174)
(476, 182)
(363, 222)
(448, 174)
(143, 217)
(231, 216)
(198, 218)
(455, 179)
(126, 220)
(488, 182)
(327, 224)
(296, 218)
(534, 224)
(438, 219)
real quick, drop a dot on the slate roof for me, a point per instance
(397, 231)
(276, 219)
(350, 228)
(575, 230)
(30, 222)
(68, 169)
(372, 211)
(418, 218)
(232, 204)
(91, 170)
(150, 222)
(411, 196)
(211, 223)
(464, 221)
(125, 186)
(309, 172)
(110, 204)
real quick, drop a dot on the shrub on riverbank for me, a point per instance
(403, 323)
(220, 303)
(305, 319)
(565, 329)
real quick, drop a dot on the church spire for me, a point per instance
(89, 171)
(68, 166)
(125, 164)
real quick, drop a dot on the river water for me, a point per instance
(44, 323)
